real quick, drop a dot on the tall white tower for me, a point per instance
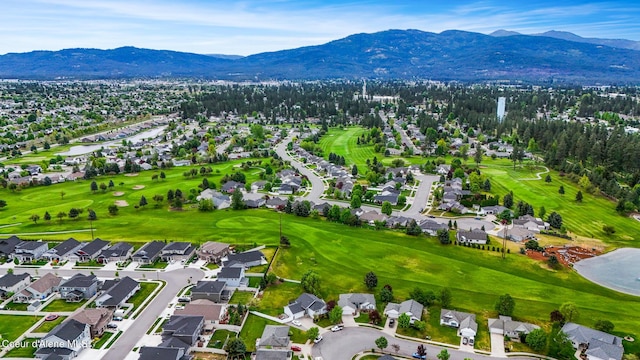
(364, 90)
(502, 101)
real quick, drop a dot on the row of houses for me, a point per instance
(99, 250)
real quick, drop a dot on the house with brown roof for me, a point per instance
(39, 289)
(213, 252)
(211, 311)
(97, 319)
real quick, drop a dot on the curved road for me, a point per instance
(175, 281)
(420, 199)
(344, 344)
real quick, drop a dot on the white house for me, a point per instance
(305, 305)
(352, 303)
(464, 322)
(410, 307)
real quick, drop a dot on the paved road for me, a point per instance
(175, 281)
(343, 345)
(406, 140)
(318, 188)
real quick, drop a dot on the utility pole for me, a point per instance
(504, 239)
(280, 228)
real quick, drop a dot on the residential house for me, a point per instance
(506, 326)
(274, 337)
(353, 303)
(27, 251)
(118, 252)
(213, 252)
(254, 203)
(186, 328)
(39, 289)
(305, 305)
(89, 251)
(370, 217)
(246, 259)
(517, 234)
(598, 345)
(97, 319)
(475, 236)
(530, 223)
(286, 189)
(215, 291)
(387, 195)
(177, 251)
(410, 307)
(13, 283)
(66, 341)
(233, 276)
(79, 287)
(432, 227)
(8, 246)
(273, 354)
(202, 307)
(443, 169)
(220, 200)
(276, 203)
(163, 353)
(117, 293)
(61, 251)
(492, 210)
(149, 252)
(231, 186)
(464, 322)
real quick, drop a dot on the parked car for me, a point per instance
(337, 328)
(418, 356)
(112, 326)
(118, 318)
(179, 307)
(392, 322)
(296, 348)
(296, 323)
(471, 341)
(465, 341)
(318, 339)
(51, 317)
(184, 299)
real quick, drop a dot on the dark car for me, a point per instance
(296, 348)
(392, 322)
(112, 326)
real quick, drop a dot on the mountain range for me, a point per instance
(391, 54)
(564, 35)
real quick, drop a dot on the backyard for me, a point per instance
(12, 326)
(61, 305)
(254, 326)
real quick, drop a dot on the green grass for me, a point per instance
(344, 143)
(17, 306)
(114, 339)
(254, 281)
(12, 326)
(153, 223)
(212, 266)
(146, 288)
(254, 326)
(154, 325)
(60, 305)
(219, 337)
(103, 340)
(47, 326)
(277, 296)
(155, 265)
(585, 218)
(241, 297)
(27, 351)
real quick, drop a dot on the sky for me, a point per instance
(254, 26)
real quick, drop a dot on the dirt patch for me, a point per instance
(118, 193)
(122, 203)
(138, 187)
(131, 174)
(567, 255)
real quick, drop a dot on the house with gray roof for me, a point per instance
(219, 200)
(149, 252)
(275, 336)
(162, 353)
(89, 251)
(118, 294)
(352, 303)
(8, 246)
(13, 283)
(30, 250)
(599, 345)
(177, 251)
(431, 227)
(464, 322)
(410, 307)
(276, 202)
(118, 252)
(79, 287)
(475, 236)
(186, 328)
(273, 354)
(61, 251)
(506, 326)
(66, 340)
(215, 291)
(530, 223)
(305, 305)
(233, 276)
(246, 259)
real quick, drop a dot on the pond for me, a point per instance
(618, 270)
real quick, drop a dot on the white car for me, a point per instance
(337, 328)
(318, 339)
(296, 323)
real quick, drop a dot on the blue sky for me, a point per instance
(253, 26)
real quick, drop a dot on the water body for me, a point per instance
(86, 149)
(618, 270)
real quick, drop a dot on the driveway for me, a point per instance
(497, 345)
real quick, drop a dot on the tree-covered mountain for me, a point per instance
(392, 54)
(565, 35)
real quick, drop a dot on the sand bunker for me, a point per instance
(118, 193)
(131, 174)
(138, 187)
(122, 203)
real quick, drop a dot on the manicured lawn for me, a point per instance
(27, 349)
(146, 288)
(345, 143)
(155, 265)
(254, 281)
(103, 340)
(254, 326)
(12, 326)
(212, 266)
(17, 306)
(241, 297)
(153, 222)
(277, 296)
(219, 337)
(60, 305)
(47, 326)
(585, 218)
